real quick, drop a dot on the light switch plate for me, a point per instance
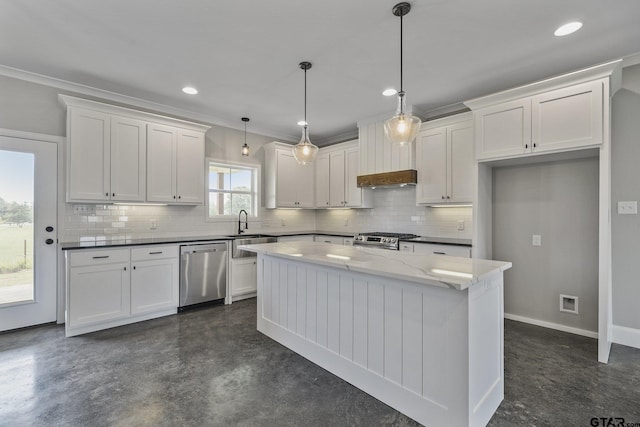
(460, 225)
(628, 208)
(536, 240)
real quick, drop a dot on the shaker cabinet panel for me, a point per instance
(154, 285)
(503, 130)
(431, 154)
(322, 180)
(98, 293)
(461, 174)
(128, 159)
(161, 163)
(88, 155)
(336, 178)
(190, 167)
(568, 117)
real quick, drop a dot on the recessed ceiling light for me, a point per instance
(567, 29)
(302, 123)
(190, 90)
(389, 92)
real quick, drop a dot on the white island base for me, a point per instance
(434, 353)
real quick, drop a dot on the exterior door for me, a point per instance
(28, 234)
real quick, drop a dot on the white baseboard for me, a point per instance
(550, 325)
(625, 336)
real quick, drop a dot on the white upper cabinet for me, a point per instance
(128, 159)
(88, 155)
(161, 163)
(337, 168)
(323, 174)
(445, 164)
(560, 119)
(122, 155)
(287, 183)
(106, 157)
(175, 165)
(378, 154)
(190, 167)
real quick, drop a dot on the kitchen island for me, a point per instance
(422, 333)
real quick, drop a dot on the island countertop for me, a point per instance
(436, 270)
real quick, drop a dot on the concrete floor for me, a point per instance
(211, 367)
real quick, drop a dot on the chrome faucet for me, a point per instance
(246, 221)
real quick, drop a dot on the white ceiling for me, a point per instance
(243, 55)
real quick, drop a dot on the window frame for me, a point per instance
(233, 164)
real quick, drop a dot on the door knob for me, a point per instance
(49, 241)
(49, 228)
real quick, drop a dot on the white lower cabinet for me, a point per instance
(243, 278)
(437, 249)
(154, 275)
(114, 287)
(98, 293)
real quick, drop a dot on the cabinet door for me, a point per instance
(322, 180)
(244, 276)
(161, 163)
(154, 285)
(190, 167)
(503, 130)
(287, 182)
(336, 178)
(128, 159)
(88, 160)
(568, 117)
(431, 153)
(460, 174)
(304, 179)
(352, 194)
(98, 293)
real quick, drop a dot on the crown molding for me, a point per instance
(105, 95)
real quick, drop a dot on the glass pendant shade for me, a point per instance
(245, 149)
(304, 151)
(402, 128)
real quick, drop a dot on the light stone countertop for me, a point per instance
(436, 270)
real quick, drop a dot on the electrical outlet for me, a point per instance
(153, 224)
(460, 225)
(628, 208)
(346, 222)
(536, 240)
(282, 224)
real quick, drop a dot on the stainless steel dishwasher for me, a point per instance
(203, 273)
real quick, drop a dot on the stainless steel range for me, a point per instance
(380, 240)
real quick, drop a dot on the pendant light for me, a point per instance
(304, 151)
(245, 147)
(403, 127)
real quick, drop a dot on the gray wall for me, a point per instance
(625, 176)
(559, 201)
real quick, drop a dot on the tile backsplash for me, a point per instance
(88, 222)
(394, 210)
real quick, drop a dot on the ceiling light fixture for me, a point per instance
(190, 90)
(304, 151)
(245, 147)
(567, 29)
(402, 128)
(389, 92)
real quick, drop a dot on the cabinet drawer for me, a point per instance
(144, 253)
(106, 256)
(452, 250)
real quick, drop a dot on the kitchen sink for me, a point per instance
(247, 236)
(249, 239)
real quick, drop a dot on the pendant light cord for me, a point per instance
(401, 90)
(305, 104)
